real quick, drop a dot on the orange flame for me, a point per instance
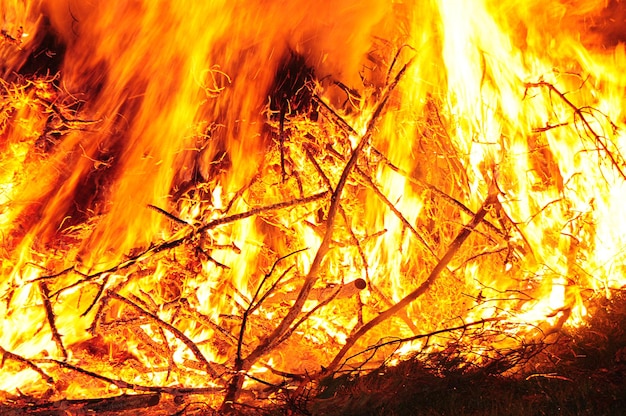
(160, 178)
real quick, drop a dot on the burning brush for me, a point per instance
(217, 207)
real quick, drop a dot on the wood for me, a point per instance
(117, 405)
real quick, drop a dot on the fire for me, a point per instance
(206, 196)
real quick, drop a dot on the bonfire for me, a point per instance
(235, 207)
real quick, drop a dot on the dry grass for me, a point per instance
(583, 372)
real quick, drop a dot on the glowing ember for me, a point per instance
(222, 196)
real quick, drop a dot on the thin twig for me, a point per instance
(353, 237)
(450, 199)
(333, 116)
(97, 297)
(281, 140)
(428, 335)
(318, 168)
(271, 289)
(169, 215)
(479, 255)
(307, 315)
(396, 56)
(252, 305)
(202, 319)
(395, 210)
(344, 215)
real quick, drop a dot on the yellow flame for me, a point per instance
(162, 120)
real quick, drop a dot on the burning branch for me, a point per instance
(45, 294)
(399, 341)
(189, 312)
(7, 355)
(443, 263)
(277, 335)
(189, 343)
(330, 222)
(168, 245)
(131, 386)
(449, 199)
(310, 313)
(253, 306)
(395, 210)
(326, 180)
